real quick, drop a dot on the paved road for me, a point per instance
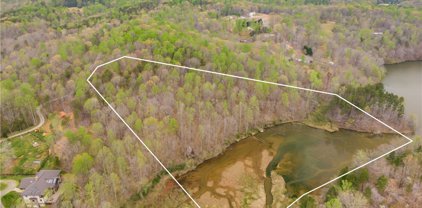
(42, 121)
(11, 185)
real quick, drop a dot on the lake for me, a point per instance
(405, 79)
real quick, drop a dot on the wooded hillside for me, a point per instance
(48, 50)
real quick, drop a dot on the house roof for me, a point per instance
(25, 182)
(48, 174)
(35, 186)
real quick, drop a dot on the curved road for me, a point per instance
(42, 121)
(11, 185)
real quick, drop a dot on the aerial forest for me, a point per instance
(49, 48)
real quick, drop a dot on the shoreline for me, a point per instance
(241, 136)
(193, 165)
(401, 62)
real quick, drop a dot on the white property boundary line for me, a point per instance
(249, 79)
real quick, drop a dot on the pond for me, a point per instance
(306, 158)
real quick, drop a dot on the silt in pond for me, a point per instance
(304, 156)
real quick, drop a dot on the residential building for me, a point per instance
(37, 191)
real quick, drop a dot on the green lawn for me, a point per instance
(11, 199)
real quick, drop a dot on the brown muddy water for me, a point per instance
(306, 158)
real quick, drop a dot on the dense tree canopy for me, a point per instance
(49, 49)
